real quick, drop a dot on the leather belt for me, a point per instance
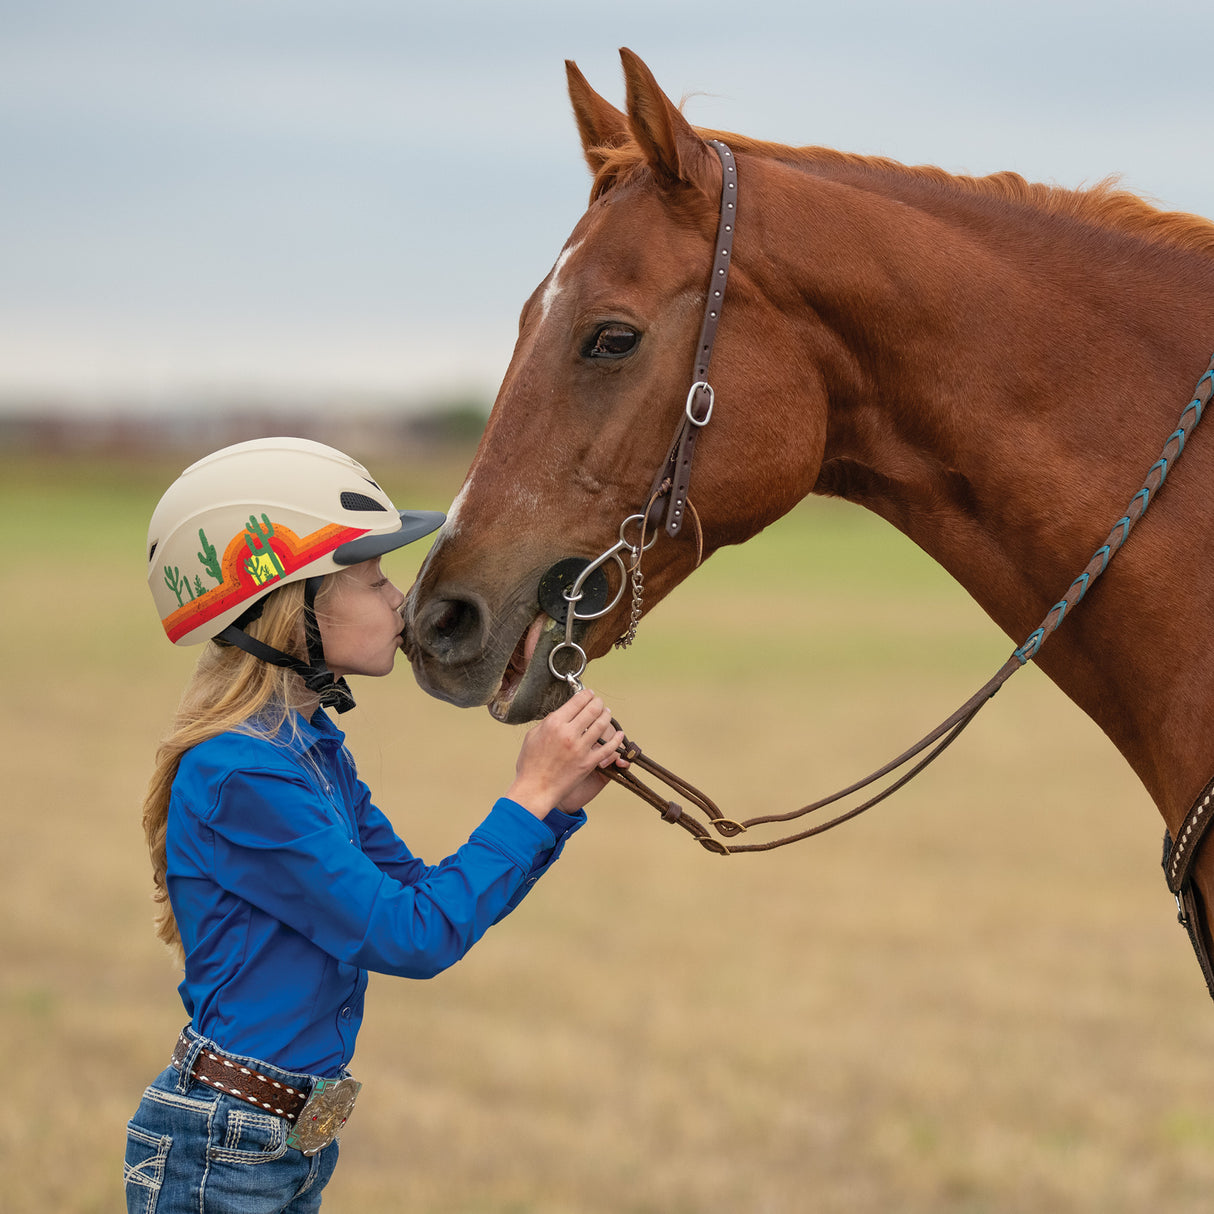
(317, 1115)
(233, 1077)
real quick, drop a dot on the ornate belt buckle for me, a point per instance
(322, 1117)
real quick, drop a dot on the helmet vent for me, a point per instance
(152, 550)
(359, 501)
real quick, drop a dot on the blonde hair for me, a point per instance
(229, 690)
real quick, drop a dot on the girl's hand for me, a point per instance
(588, 789)
(557, 764)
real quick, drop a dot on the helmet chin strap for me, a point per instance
(334, 692)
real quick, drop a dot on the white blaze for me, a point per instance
(452, 524)
(553, 289)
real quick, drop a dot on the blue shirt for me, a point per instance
(289, 885)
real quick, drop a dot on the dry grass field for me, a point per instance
(974, 1000)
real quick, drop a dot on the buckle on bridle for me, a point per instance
(692, 393)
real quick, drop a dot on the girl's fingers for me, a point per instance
(590, 724)
(612, 745)
(590, 712)
(572, 707)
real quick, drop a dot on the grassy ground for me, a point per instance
(975, 999)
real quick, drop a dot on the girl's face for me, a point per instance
(360, 621)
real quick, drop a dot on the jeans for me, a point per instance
(192, 1148)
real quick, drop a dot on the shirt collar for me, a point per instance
(300, 734)
(320, 728)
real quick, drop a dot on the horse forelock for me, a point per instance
(1104, 204)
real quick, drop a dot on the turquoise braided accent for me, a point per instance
(1196, 405)
(1121, 529)
(1084, 577)
(1028, 650)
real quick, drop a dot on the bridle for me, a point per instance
(567, 591)
(670, 488)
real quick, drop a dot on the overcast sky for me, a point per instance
(356, 196)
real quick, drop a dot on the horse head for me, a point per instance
(597, 383)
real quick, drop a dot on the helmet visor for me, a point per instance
(414, 524)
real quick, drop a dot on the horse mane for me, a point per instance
(1102, 205)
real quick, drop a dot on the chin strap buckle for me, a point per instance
(334, 693)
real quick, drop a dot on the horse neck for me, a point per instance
(999, 382)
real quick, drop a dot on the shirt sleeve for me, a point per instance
(392, 856)
(278, 843)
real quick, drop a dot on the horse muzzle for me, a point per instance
(461, 652)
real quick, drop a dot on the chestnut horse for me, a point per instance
(988, 364)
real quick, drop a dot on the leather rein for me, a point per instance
(669, 496)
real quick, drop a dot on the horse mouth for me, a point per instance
(465, 653)
(527, 672)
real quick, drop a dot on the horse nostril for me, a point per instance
(447, 619)
(450, 629)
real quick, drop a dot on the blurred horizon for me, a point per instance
(441, 426)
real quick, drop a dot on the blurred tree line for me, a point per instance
(393, 428)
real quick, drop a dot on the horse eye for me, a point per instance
(613, 341)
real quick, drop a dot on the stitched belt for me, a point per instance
(233, 1077)
(316, 1116)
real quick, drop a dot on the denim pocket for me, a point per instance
(143, 1168)
(250, 1168)
(249, 1137)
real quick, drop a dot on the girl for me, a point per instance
(280, 884)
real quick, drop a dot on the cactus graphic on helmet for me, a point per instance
(263, 563)
(176, 583)
(208, 558)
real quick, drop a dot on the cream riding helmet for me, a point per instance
(235, 526)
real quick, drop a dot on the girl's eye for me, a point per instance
(613, 341)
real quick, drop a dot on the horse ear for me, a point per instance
(676, 154)
(599, 123)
